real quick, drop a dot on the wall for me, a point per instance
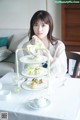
(16, 14)
(55, 10)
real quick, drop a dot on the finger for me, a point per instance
(34, 38)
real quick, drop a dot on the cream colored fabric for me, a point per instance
(59, 64)
(16, 39)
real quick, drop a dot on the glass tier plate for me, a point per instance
(27, 85)
(43, 72)
(29, 59)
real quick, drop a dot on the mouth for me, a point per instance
(39, 34)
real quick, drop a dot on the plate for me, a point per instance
(31, 104)
(43, 72)
(29, 59)
(4, 94)
(26, 85)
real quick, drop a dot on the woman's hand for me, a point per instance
(40, 45)
(38, 42)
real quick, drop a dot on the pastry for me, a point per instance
(33, 85)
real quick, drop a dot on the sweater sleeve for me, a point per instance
(59, 63)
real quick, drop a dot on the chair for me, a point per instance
(76, 69)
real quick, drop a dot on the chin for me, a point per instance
(40, 37)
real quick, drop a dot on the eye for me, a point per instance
(35, 24)
(43, 25)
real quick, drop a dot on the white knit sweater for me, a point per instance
(59, 64)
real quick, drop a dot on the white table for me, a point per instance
(65, 101)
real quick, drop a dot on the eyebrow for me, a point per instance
(41, 23)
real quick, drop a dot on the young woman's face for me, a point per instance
(41, 29)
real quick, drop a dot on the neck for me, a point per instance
(46, 42)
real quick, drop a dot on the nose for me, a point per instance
(39, 28)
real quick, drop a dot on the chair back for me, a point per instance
(76, 68)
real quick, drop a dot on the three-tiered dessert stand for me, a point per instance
(37, 77)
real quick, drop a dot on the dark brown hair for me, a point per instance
(47, 18)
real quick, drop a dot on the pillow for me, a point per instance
(11, 58)
(4, 53)
(16, 39)
(9, 40)
(3, 41)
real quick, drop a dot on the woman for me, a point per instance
(41, 28)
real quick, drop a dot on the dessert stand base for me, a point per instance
(16, 89)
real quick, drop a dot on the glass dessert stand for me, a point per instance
(37, 77)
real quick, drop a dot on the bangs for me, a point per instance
(41, 17)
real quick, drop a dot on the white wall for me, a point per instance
(16, 14)
(55, 10)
